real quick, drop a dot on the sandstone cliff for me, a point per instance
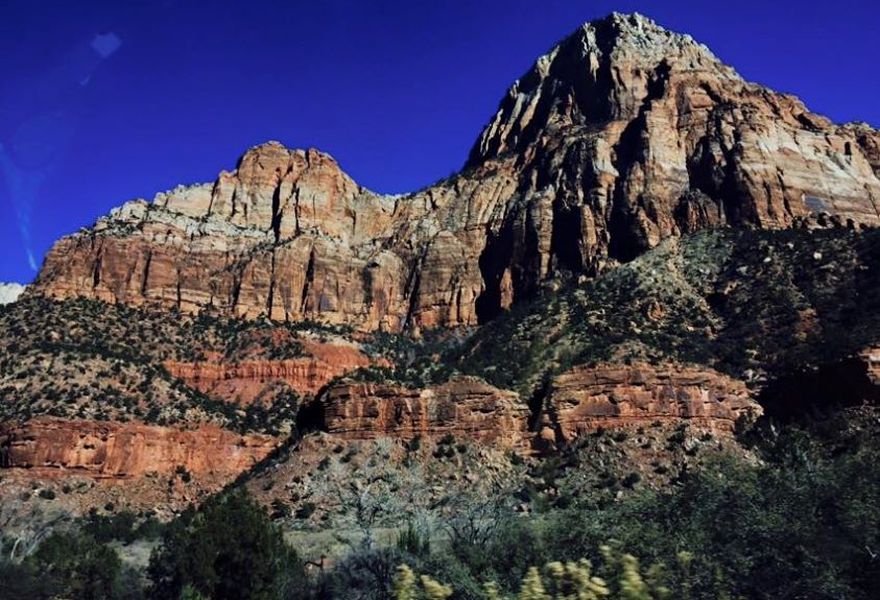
(108, 450)
(581, 400)
(244, 381)
(586, 398)
(622, 135)
(464, 407)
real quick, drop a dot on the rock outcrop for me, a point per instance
(580, 401)
(622, 135)
(586, 398)
(465, 407)
(247, 380)
(49, 447)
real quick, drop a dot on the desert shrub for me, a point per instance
(409, 587)
(363, 574)
(22, 580)
(123, 526)
(799, 526)
(412, 541)
(571, 580)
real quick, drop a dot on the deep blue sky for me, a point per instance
(397, 91)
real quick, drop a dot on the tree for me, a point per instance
(77, 566)
(230, 549)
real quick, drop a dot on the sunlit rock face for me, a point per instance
(622, 135)
(586, 398)
(247, 381)
(50, 447)
(465, 407)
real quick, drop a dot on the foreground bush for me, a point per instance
(556, 581)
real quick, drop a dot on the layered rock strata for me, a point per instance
(466, 408)
(247, 380)
(585, 398)
(622, 135)
(50, 447)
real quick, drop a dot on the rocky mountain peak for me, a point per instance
(605, 70)
(274, 159)
(635, 37)
(623, 135)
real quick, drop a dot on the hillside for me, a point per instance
(651, 293)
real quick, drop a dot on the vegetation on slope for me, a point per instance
(752, 304)
(87, 359)
(803, 522)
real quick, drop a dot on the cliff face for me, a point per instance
(621, 136)
(637, 134)
(57, 448)
(244, 381)
(580, 401)
(586, 398)
(467, 408)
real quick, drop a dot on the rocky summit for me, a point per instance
(645, 261)
(623, 135)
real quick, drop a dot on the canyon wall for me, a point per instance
(622, 135)
(466, 408)
(50, 447)
(586, 398)
(243, 381)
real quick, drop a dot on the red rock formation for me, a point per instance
(50, 447)
(621, 136)
(244, 381)
(465, 407)
(585, 398)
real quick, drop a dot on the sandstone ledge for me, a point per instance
(111, 450)
(585, 398)
(465, 407)
(244, 381)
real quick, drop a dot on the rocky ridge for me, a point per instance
(464, 408)
(621, 136)
(647, 241)
(584, 399)
(246, 381)
(117, 451)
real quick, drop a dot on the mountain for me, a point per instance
(621, 136)
(642, 255)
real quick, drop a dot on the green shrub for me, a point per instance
(228, 549)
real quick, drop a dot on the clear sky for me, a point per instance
(105, 101)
